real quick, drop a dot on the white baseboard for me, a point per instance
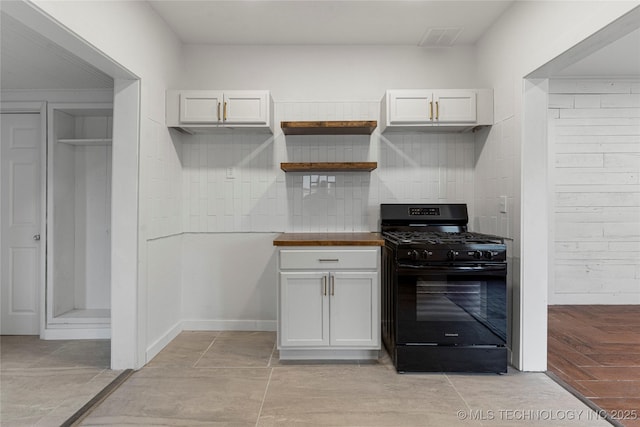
(76, 334)
(229, 325)
(162, 342)
(326, 354)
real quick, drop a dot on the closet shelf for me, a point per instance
(350, 127)
(86, 141)
(329, 167)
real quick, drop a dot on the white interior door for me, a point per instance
(21, 218)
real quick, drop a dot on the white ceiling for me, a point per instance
(621, 58)
(28, 61)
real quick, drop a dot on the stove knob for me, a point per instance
(426, 254)
(477, 254)
(451, 255)
(488, 254)
(414, 255)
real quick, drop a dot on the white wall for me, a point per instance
(527, 35)
(326, 73)
(594, 129)
(62, 211)
(161, 165)
(223, 294)
(93, 226)
(164, 302)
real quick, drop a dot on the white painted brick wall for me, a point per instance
(594, 131)
(436, 168)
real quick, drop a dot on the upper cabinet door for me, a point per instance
(410, 107)
(246, 107)
(200, 106)
(454, 106)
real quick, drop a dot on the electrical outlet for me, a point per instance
(503, 204)
(231, 173)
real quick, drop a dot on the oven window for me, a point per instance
(456, 308)
(448, 301)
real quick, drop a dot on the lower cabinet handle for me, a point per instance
(431, 110)
(329, 259)
(324, 283)
(224, 112)
(218, 111)
(437, 111)
(333, 285)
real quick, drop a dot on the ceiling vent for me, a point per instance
(440, 37)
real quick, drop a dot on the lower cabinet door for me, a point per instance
(355, 319)
(304, 309)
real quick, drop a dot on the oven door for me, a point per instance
(451, 304)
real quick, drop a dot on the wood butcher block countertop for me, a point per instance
(329, 239)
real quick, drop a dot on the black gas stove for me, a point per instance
(444, 291)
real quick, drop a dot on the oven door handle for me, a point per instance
(454, 268)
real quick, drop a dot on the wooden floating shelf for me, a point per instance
(350, 127)
(329, 167)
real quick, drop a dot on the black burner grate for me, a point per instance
(442, 237)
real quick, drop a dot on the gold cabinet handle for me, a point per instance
(324, 283)
(218, 111)
(224, 112)
(437, 111)
(431, 110)
(333, 285)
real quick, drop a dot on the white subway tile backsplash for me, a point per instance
(261, 197)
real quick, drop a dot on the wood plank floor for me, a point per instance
(596, 350)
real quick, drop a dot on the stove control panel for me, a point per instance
(415, 211)
(487, 253)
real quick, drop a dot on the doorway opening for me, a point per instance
(592, 117)
(75, 67)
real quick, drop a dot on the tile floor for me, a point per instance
(43, 383)
(596, 350)
(236, 379)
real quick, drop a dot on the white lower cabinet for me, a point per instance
(332, 313)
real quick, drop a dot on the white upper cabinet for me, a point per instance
(436, 110)
(209, 110)
(455, 106)
(199, 106)
(249, 107)
(410, 106)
